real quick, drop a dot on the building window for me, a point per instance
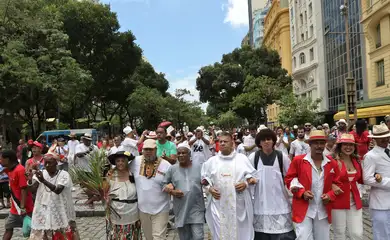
(310, 9)
(295, 62)
(378, 36)
(305, 17)
(302, 58)
(301, 16)
(302, 37)
(311, 30)
(380, 66)
(311, 54)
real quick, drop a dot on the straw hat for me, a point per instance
(380, 131)
(152, 135)
(316, 135)
(346, 138)
(87, 136)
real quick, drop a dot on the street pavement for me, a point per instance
(93, 228)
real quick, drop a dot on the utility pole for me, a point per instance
(349, 83)
(250, 23)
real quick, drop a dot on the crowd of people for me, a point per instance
(252, 183)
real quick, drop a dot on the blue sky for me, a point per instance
(180, 36)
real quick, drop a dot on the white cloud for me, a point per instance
(189, 83)
(236, 13)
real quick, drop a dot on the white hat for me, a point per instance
(185, 145)
(178, 135)
(219, 132)
(152, 135)
(295, 127)
(380, 131)
(190, 134)
(201, 128)
(127, 130)
(342, 121)
(87, 136)
(262, 126)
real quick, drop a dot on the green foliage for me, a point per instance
(229, 120)
(245, 80)
(297, 111)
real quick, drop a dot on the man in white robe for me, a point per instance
(229, 209)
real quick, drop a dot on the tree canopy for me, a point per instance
(245, 81)
(297, 110)
(68, 59)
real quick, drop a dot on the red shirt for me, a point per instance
(363, 143)
(343, 201)
(17, 181)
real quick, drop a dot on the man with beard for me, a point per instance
(153, 204)
(182, 181)
(299, 146)
(310, 178)
(229, 209)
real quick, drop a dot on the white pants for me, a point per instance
(350, 219)
(154, 226)
(380, 224)
(313, 229)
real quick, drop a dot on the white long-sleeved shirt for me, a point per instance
(376, 161)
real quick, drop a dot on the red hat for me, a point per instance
(30, 142)
(346, 138)
(37, 144)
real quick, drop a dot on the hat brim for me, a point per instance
(316, 139)
(379, 136)
(87, 138)
(114, 156)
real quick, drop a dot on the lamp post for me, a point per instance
(349, 83)
(250, 23)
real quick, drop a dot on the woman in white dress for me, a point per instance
(54, 212)
(123, 222)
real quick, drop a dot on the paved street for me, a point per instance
(93, 228)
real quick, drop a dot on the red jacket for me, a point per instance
(363, 143)
(302, 169)
(343, 201)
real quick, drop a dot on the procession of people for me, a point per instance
(249, 183)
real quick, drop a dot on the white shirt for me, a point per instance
(72, 146)
(151, 198)
(316, 206)
(83, 162)
(61, 151)
(281, 146)
(129, 145)
(200, 151)
(241, 149)
(248, 142)
(299, 148)
(376, 161)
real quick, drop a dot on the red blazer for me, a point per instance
(343, 201)
(302, 169)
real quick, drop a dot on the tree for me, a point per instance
(297, 110)
(221, 82)
(38, 73)
(229, 120)
(257, 94)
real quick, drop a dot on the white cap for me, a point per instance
(342, 121)
(262, 126)
(185, 145)
(178, 135)
(127, 130)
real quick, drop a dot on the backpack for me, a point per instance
(279, 155)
